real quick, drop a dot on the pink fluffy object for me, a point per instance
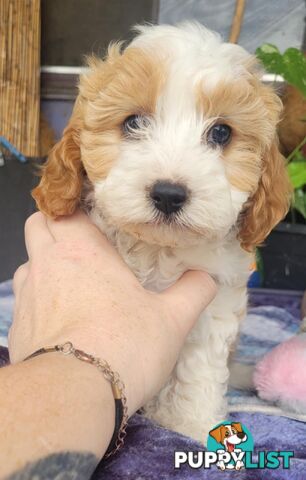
(281, 375)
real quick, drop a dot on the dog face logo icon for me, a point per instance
(229, 435)
(230, 440)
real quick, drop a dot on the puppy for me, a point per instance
(172, 150)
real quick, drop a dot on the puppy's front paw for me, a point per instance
(197, 429)
(221, 465)
(239, 465)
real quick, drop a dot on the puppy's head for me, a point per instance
(229, 435)
(177, 136)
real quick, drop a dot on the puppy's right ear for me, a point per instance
(216, 433)
(59, 190)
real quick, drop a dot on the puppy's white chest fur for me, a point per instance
(159, 267)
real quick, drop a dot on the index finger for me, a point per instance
(77, 226)
(36, 233)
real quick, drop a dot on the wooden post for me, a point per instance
(237, 21)
(20, 73)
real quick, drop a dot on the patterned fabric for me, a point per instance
(148, 452)
(264, 328)
(6, 310)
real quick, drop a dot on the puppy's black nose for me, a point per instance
(168, 197)
(241, 435)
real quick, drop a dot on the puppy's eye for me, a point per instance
(131, 123)
(219, 134)
(226, 433)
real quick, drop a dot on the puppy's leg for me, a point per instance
(193, 401)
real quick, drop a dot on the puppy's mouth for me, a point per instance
(164, 231)
(174, 223)
(173, 220)
(230, 446)
(170, 231)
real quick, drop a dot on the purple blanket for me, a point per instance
(148, 453)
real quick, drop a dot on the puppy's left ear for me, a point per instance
(237, 426)
(270, 202)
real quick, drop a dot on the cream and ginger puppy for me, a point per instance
(172, 150)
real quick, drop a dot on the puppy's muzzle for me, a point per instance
(168, 197)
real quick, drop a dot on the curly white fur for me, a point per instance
(193, 400)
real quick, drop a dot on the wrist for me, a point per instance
(65, 402)
(115, 355)
(85, 400)
(113, 378)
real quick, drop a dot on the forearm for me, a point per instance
(66, 406)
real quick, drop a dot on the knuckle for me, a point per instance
(32, 218)
(17, 272)
(19, 275)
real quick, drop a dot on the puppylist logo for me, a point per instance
(230, 441)
(230, 446)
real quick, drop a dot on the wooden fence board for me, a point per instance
(20, 73)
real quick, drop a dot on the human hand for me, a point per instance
(75, 287)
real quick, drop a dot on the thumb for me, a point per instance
(188, 297)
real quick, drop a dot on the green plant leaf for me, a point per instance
(291, 65)
(299, 201)
(297, 173)
(271, 58)
(294, 63)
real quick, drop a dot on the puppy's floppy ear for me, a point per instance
(237, 426)
(59, 190)
(217, 433)
(270, 202)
